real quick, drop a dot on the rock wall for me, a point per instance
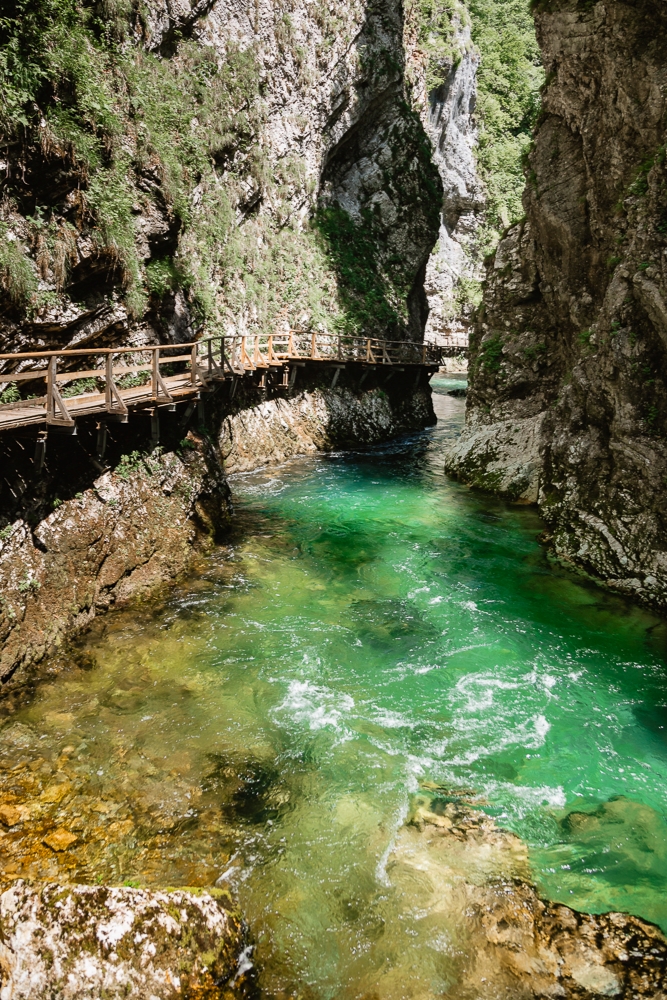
(242, 167)
(319, 420)
(448, 112)
(568, 395)
(133, 528)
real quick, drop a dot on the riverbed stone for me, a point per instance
(10, 815)
(88, 942)
(476, 875)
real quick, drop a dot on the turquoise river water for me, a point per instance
(371, 625)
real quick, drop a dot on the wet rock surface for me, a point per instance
(568, 403)
(94, 941)
(320, 420)
(517, 945)
(137, 527)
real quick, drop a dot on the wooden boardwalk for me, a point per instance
(61, 386)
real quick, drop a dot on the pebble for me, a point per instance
(60, 840)
(10, 815)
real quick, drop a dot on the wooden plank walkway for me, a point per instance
(111, 381)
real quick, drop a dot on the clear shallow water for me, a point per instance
(372, 626)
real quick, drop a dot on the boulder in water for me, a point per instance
(87, 942)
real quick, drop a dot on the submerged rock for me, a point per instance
(95, 941)
(512, 944)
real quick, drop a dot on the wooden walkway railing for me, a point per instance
(81, 382)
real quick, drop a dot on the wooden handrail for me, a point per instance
(214, 357)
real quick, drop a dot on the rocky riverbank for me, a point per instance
(78, 542)
(86, 942)
(568, 398)
(512, 943)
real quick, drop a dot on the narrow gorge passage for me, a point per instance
(372, 629)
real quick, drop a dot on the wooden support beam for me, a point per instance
(57, 414)
(115, 404)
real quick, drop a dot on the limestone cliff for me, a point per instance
(568, 397)
(243, 167)
(443, 65)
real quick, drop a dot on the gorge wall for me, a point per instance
(568, 396)
(173, 169)
(172, 166)
(442, 70)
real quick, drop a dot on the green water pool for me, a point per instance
(373, 625)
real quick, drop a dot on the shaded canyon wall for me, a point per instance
(568, 396)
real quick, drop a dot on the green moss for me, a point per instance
(491, 353)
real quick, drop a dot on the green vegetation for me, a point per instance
(133, 127)
(10, 394)
(367, 294)
(509, 80)
(491, 353)
(18, 275)
(129, 464)
(436, 35)
(639, 187)
(79, 386)
(174, 136)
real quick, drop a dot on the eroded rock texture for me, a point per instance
(568, 400)
(448, 114)
(319, 420)
(223, 128)
(133, 529)
(516, 945)
(96, 941)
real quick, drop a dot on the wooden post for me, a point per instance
(54, 400)
(313, 346)
(101, 445)
(40, 451)
(114, 402)
(368, 350)
(339, 355)
(290, 345)
(108, 372)
(50, 384)
(154, 372)
(193, 366)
